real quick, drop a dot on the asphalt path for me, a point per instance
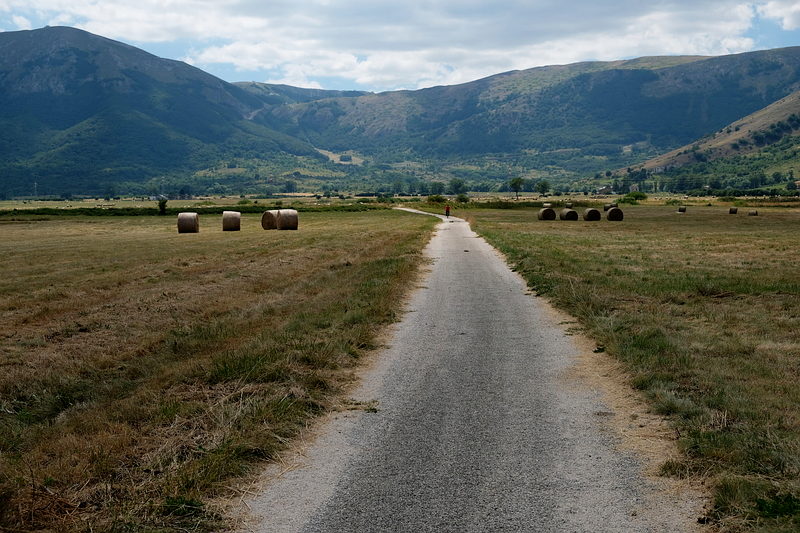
(477, 427)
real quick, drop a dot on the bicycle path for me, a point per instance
(476, 427)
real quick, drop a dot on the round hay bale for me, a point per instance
(269, 220)
(614, 214)
(568, 214)
(752, 213)
(682, 209)
(733, 210)
(188, 223)
(287, 219)
(606, 207)
(547, 204)
(231, 221)
(568, 205)
(613, 204)
(592, 215)
(546, 213)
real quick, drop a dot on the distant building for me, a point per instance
(634, 187)
(605, 190)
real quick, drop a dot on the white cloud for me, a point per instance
(388, 44)
(21, 22)
(788, 12)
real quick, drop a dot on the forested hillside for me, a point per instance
(86, 115)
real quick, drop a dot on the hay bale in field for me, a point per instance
(547, 204)
(614, 214)
(269, 220)
(682, 209)
(613, 204)
(568, 214)
(188, 223)
(733, 210)
(606, 207)
(568, 205)
(752, 213)
(546, 213)
(592, 215)
(231, 221)
(287, 219)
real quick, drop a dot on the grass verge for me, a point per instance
(142, 369)
(704, 309)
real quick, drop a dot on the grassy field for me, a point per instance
(226, 201)
(142, 369)
(704, 309)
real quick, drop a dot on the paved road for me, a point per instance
(477, 427)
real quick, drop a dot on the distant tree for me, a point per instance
(608, 173)
(791, 186)
(516, 185)
(456, 186)
(162, 206)
(436, 188)
(543, 187)
(290, 186)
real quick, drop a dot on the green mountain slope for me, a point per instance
(759, 151)
(742, 137)
(597, 108)
(85, 114)
(82, 113)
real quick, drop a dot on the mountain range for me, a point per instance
(83, 114)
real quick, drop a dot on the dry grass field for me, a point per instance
(141, 370)
(704, 310)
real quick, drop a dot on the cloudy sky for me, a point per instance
(380, 45)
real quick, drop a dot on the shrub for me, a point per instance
(462, 198)
(633, 198)
(436, 199)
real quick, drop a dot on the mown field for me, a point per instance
(142, 371)
(704, 309)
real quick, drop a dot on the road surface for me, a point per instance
(477, 427)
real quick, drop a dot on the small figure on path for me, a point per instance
(447, 210)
